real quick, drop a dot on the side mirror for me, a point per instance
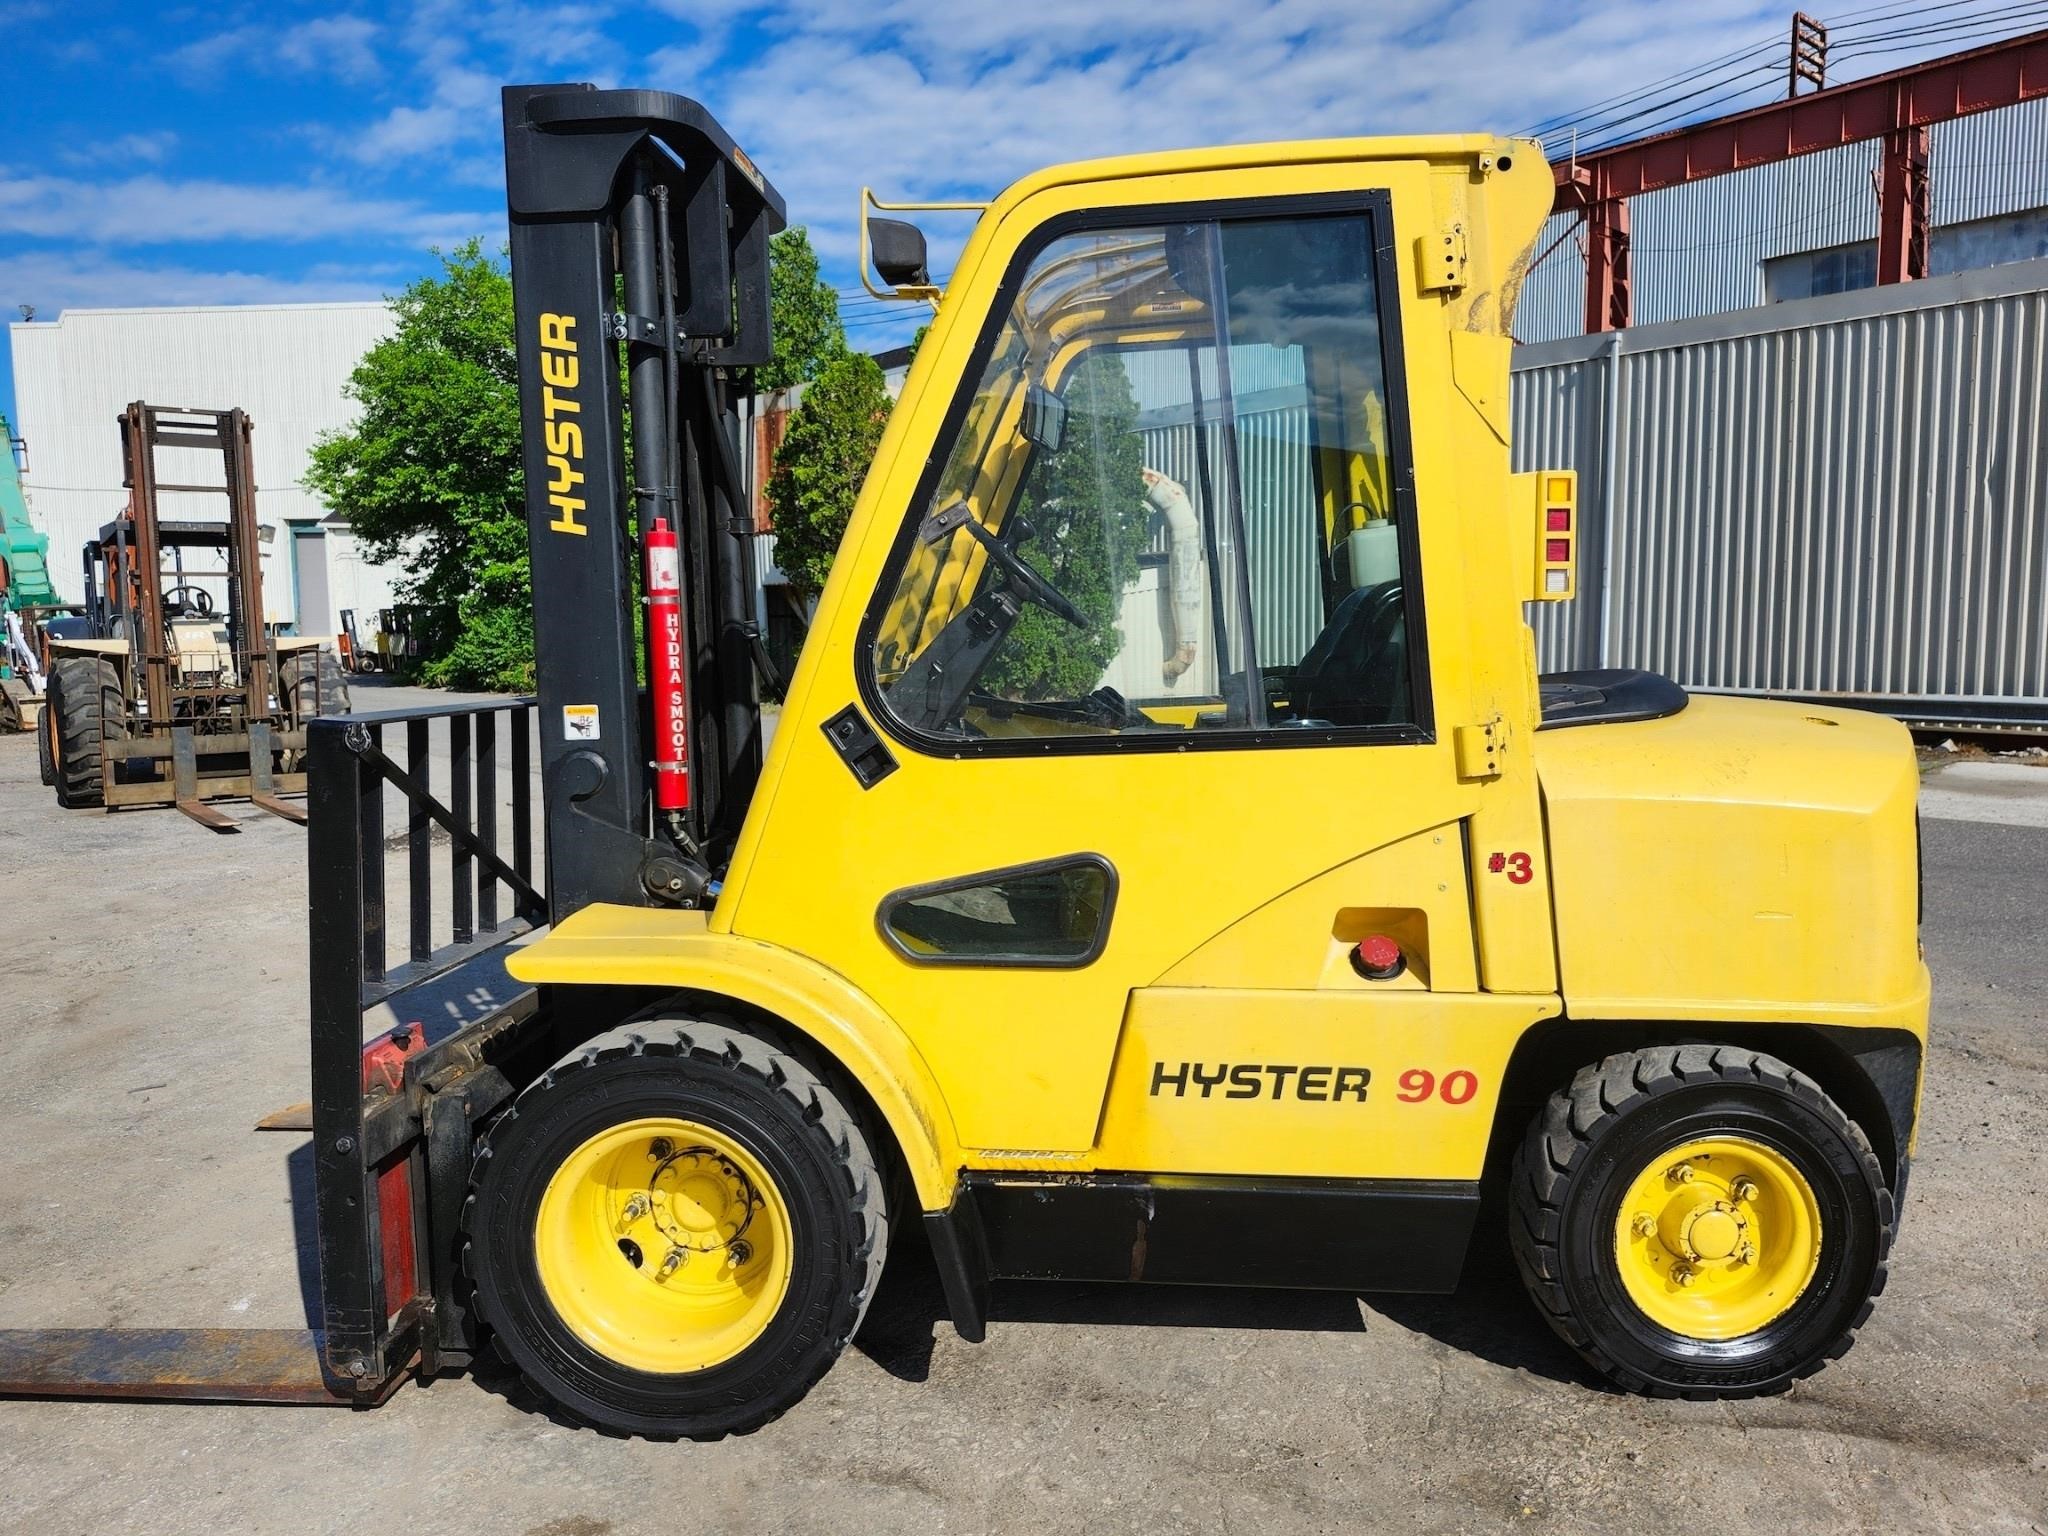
(899, 253)
(1045, 418)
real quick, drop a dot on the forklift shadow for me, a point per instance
(1489, 1316)
(298, 1164)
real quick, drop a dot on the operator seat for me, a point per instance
(1356, 673)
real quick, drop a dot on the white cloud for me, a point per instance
(156, 210)
(459, 52)
(463, 107)
(928, 103)
(127, 149)
(341, 46)
(57, 280)
(960, 100)
(917, 100)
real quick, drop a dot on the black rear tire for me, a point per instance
(312, 684)
(87, 707)
(719, 1075)
(1592, 1139)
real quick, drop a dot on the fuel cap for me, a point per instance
(1377, 958)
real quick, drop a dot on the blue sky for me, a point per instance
(247, 153)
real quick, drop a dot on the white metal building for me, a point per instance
(284, 364)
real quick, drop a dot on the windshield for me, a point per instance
(1169, 506)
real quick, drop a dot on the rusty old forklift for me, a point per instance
(171, 689)
(1168, 866)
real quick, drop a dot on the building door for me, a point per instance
(309, 568)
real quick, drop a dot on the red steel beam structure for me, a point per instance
(1898, 107)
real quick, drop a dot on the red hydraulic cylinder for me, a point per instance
(664, 567)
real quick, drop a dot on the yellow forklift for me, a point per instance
(1168, 867)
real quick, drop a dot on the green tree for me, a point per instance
(429, 476)
(821, 463)
(1086, 506)
(804, 314)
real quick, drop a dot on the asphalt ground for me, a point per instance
(152, 1008)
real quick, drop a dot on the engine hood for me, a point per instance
(1739, 859)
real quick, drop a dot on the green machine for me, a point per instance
(25, 592)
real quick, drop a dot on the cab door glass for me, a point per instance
(1169, 507)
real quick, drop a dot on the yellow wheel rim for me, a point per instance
(1718, 1237)
(663, 1245)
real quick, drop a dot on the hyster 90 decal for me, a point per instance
(1248, 1080)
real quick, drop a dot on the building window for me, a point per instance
(1963, 247)
(1809, 274)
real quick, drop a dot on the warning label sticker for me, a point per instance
(579, 722)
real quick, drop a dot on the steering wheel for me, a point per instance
(197, 599)
(1003, 550)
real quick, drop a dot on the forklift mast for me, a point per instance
(132, 548)
(636, 222)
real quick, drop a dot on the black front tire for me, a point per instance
(87, 707)
(720, 1075)
(1591, 1140)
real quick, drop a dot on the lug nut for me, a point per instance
(1746, 1253)
(740, 1250)
(1743, 1189)
(672, 1263)
(636, 1207)
(1683, 1275)
(1681, 1173)
(659, 1148)
(1643, 1226)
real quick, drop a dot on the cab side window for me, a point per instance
(1170, 505)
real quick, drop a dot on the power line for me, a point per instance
(1961, 29)
(1593, 130)
(1945, 21)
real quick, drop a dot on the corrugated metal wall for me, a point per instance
(283, 364)
(1700, 249)
(1275, 471)
(1842, 495)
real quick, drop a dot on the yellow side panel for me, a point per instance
(1216, 1081)
(1412, 890)
(646, 947)
(1510, 864)
(1740, 859)
(1023, 1054)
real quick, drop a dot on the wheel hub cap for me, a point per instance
(700, 1200)
(1717, 1237)
(664, 1245)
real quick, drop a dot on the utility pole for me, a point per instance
(1809, 61)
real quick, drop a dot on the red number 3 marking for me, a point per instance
(1519, 872)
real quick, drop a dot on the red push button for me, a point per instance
(1557, 551)
(1377, 958)
(1558, 520)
